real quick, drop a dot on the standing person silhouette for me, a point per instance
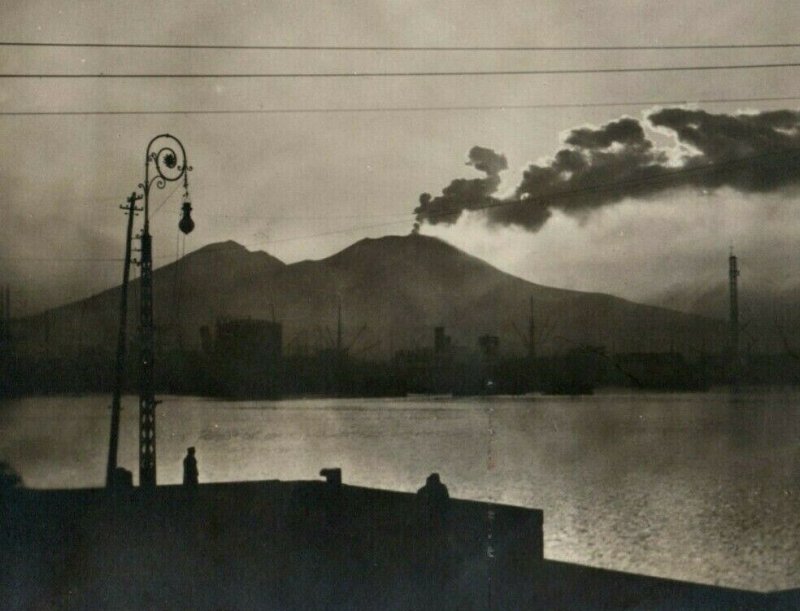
(190, 468)
(432, 502)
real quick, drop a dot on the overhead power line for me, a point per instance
(64, 259)
(378, 109)
(632, 183)
(433, 48)
(597, 188)
(166, 199)
(77, 259)
(357, 74)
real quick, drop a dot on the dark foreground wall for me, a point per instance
(270, 545)
(305, 545)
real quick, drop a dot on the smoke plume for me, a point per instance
(601, 166)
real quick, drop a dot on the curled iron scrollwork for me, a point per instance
(169, 161)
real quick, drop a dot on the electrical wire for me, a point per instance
(633, 183)
(166, 199)
(392, 48)
(357, 74)
(379, 109)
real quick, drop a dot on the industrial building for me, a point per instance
(247, 357)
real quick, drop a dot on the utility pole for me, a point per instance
(3, 330)
(733, 321)
(119, 371)
(531, 334)
(3, 315)
(339, 327)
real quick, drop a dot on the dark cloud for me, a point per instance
(486, 160)
(725, 138)
(604, 165)
(626, 131)
(465, 193)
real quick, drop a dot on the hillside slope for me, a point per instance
(393, 291)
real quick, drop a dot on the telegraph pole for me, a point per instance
(3, 316)
(339, 327)
(531, 335)
(733, 321)
(119, 371)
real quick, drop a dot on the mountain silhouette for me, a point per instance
(393, 291)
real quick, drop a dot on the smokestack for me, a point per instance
(8, 312)
(206, 342)
(438, 340)
(3, 317)
(733, 338)
(339, 327)
(531, 331)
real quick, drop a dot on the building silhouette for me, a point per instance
(247, 357)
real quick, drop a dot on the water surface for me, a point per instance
(703, 487)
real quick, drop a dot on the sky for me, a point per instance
(303, 185)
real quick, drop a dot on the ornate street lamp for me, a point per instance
(165, 161)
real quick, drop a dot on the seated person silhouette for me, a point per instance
(190, 468)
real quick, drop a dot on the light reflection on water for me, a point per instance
(701, 487)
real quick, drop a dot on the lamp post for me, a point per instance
(165, 161)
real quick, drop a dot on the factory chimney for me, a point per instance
(5, 314)
(733, 321)
(531, 335)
